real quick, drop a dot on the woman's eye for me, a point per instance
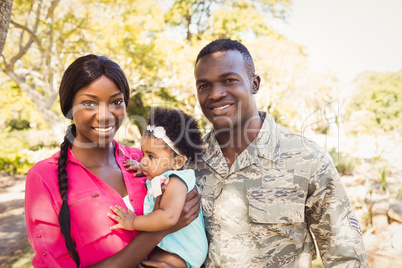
(89, 104)
(118, 102)
(151, 157)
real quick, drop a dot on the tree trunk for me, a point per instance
(55, 122)
(5, 17)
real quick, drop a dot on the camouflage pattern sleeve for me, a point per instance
(331, 218)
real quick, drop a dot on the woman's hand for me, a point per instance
(131, 164)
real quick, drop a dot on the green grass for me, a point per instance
(23, 259)
(345, 164)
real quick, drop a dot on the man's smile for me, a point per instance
(221, 108)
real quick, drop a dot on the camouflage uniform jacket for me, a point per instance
(264, 210)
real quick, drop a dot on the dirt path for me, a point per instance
(13, 235)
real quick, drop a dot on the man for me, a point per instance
(266, 191)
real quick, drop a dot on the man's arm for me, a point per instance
(332, 220)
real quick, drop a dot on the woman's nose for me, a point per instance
(104, 114)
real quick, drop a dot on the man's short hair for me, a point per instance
(221, 45)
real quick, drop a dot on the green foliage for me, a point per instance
(18, 124)
(206, 20)
(399, 194)
(379, 95)
(16, 165)
(317, 263)
(22, 149)
(16, 110)
(344, 164)
(22, 258)
(11, 158)
(156, 42)
(382, 176)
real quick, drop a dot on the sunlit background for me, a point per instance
(347, 37)
(331, 70)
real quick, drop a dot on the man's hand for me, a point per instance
(159, 264)
(164, 259)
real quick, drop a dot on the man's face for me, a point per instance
(224, 90)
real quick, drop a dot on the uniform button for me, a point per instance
(39, 236)
(44, 253)
(131, 199)
(135, 208)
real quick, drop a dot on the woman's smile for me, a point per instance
(104, 111)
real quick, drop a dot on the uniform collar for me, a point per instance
(267, 140)
(264, 146)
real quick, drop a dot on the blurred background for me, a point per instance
(331, 70)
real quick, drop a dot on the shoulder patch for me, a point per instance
(354, 224)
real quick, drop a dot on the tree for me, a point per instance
(46, 35)
(223, 18)
(155, 42)
(5, 16)
(36, 55)
(379, 98)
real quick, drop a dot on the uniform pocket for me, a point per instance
(276, 205)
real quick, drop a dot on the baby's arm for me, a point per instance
(171, 205)
(123, 217)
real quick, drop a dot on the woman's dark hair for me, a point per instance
(80, 74)
(181, 128)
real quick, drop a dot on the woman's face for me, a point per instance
(98, 111)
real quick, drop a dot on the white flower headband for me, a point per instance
(160, 133)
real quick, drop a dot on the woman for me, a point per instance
(69, 194)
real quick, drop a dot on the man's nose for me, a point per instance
(218, 91)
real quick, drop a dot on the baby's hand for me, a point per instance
(124, 218)
(133, 165)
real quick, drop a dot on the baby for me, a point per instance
(172, 139)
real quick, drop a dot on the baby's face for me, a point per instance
(157, 158)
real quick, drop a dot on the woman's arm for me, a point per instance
(139, 248)
(42, 223)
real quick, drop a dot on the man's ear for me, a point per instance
(179, 162)
(255, 83)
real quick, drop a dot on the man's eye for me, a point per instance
(229, 80)
(202, 87)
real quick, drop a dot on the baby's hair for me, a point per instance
(181, 128)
